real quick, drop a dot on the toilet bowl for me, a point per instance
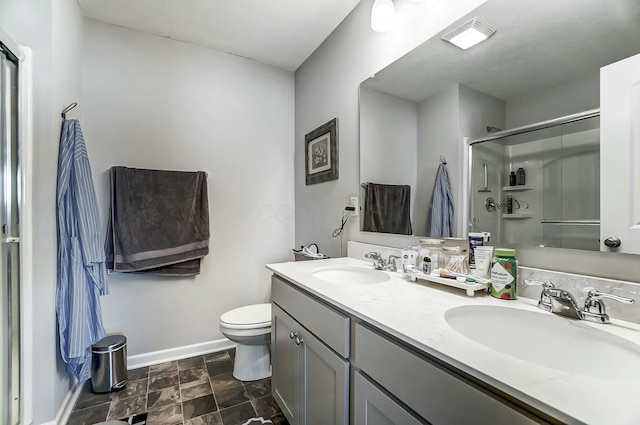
(250, 328)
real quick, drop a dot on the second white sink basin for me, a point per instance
(548, 340)
(351, 275)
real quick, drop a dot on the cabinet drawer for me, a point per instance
(329, 325)
(431, 391)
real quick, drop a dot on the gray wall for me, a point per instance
(327, 87)
(150, 102)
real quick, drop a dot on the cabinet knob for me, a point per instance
(292, 335)
(612, 242)
(299, 340)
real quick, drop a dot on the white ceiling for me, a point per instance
(283, 33)
(538, 44)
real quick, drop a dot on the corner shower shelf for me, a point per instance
(471, 288)
(517, 216)
(515, 188)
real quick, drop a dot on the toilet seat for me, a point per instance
(247, 317)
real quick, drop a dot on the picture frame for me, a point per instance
(321, 153)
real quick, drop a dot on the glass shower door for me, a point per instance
(9, 243)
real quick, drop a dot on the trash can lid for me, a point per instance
(109, 343)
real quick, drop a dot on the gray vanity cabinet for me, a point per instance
(310, 347)
(436, 394)
(372, 406)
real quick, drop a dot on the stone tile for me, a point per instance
(159, 382)
(163, 397)
(90, 415)
(163, 368)
(193, 374)
(195, 389)
(198, 407)
(88, 399)
(257, 389)
(208, 419)
(191, 362)
(133, 389)
(165, 415)
(127, 407)
(237, 415)
(232, 353)
(219, 367)
(224, 382)
(231, 397)
(137, 374)
(214, 357)
(266, 406)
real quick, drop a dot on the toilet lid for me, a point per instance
(250, 316)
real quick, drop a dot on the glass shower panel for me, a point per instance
(9, 248)
(572, 201)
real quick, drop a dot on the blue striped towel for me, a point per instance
(441, 211)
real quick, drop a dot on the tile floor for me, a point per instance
(196, 391)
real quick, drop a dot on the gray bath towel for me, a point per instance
(387, 209)
(158, 222)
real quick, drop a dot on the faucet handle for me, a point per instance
(376, 258)
(594, 308)
(545, 300)
(391, 263)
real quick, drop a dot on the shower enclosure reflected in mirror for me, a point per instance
(538, 66)
(539, 185)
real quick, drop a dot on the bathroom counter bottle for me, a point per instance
(504, 273)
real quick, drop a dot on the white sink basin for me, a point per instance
(548, 340)
(351, 275)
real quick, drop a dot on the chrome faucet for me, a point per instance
(594, 308)
(561, 302)
(376, 258)
(380, 264)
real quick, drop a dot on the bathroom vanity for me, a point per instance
(354, 345)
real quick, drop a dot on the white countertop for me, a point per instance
(415, 313)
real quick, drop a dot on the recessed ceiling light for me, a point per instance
(469, 34)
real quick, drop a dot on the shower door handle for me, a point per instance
(11, 239)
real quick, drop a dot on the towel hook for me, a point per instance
(443, 159)
(67, 109)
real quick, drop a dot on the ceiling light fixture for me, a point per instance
(469, 34)
(383, 15)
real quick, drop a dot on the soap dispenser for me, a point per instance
(520, 177)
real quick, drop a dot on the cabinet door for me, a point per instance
(285, 364)
(373, 407)
(324, 379)
(619, 154)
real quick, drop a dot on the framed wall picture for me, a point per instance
(321, 153)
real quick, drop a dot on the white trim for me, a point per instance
(170, 354)
(67, 405)
(25, 140)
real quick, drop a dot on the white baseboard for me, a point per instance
(67, 405)
(170, 354)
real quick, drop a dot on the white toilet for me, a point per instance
(250, 328)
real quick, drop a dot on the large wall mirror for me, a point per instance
(542, 65)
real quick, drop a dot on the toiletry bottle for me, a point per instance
(512, 179)
(426, 265)
(504, 273)
(509, 204)
(520, 178)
